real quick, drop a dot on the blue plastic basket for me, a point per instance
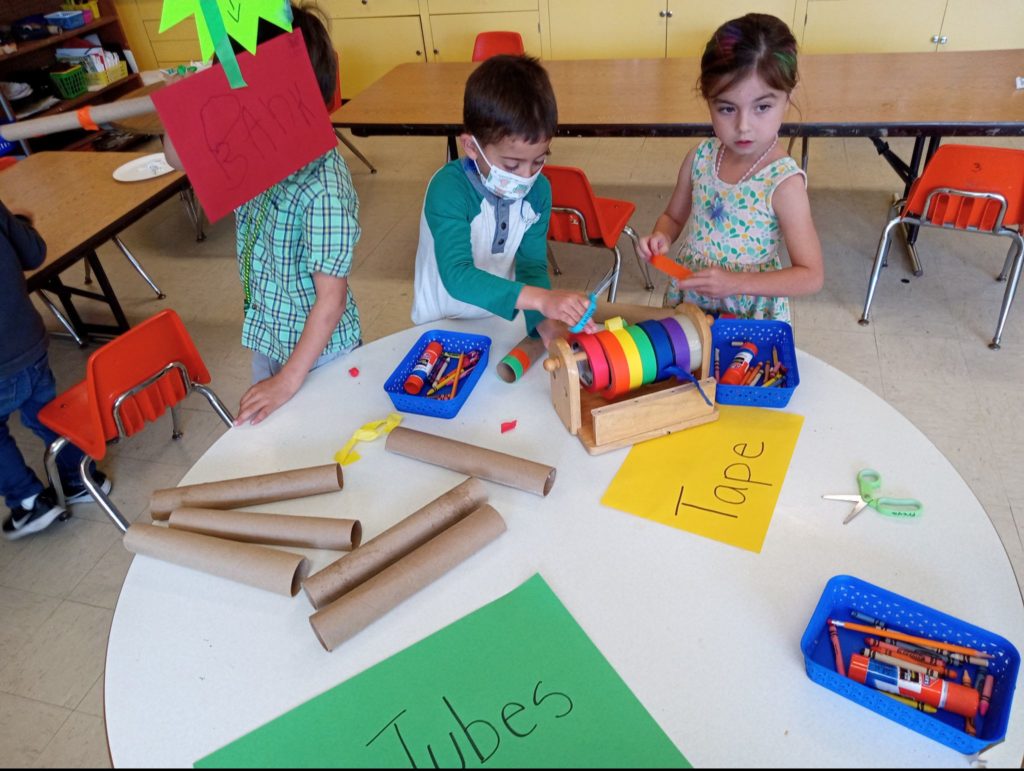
(845, 593)
(451, 342)
(765, 334)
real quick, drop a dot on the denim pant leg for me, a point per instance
(44, 390)
(17, 480)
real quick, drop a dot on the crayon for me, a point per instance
(838, 651)
(449, 379)
(904, 637)
(920, 706)
(968, 720)
(775, 357)
(920, 657)
(458, 372)
(986, 694)
(717, 373)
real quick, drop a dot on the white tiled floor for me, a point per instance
(925, 352)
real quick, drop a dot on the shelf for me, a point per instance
(28, 46)
(133, 80)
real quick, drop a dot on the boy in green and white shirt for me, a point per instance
(483, 230)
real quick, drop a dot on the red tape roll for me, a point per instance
(600, 375)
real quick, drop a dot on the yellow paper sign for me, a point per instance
(720, 480)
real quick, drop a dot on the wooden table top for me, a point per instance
(943, 94)
(76, 202)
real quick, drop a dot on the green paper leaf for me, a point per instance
(241, 20)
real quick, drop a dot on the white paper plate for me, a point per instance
(146, 167)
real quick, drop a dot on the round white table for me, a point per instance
(706, 635)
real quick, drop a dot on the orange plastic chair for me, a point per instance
(488, 44)
(973, 189)
(580, 217)
(334, 105)
(129, 382)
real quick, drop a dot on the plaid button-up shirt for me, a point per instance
(308, 223)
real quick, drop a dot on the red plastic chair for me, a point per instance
(129, 382)
(488, 44)
(973, 189)
(580, 217)
(334, 105)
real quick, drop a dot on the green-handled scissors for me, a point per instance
(869, 481)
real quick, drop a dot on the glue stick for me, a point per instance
(935, 691)
(740, 365)
(428, 359)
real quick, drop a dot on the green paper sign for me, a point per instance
(515, 684)
(240, 20)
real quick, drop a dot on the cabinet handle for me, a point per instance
(436, 52)
(935, 38)
(366, 2)
(663, 14)
(943, 40)
(419, 53)
(668, 14)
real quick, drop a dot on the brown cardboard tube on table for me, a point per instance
(98, 113)
(529, 348)
(349, 571)
(248, 491)
(350, 614)
(276, 529)
(276, 571)
(472, 460)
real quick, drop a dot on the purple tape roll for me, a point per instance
(680, 345)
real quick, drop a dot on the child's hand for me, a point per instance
(712, 282)
(655, 243)
(265, 397)
(567, 307)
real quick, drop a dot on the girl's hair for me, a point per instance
(753, 43)
(509, 96)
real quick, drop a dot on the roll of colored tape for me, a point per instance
(597, 375)
(633, 360)
(618, 366)
(663, 352)
(680, 345)
(648, 359)
(693, 338)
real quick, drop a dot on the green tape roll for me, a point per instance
(648, 359)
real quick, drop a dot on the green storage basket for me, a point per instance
(70, 83)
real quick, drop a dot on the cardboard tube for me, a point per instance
(515, 363)
(248, 491)
(346, 573)
(100, 113)
(276, 571)
(472, 460)
(277, 529)
(350, 614)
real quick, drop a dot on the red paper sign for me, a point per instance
(234, 143)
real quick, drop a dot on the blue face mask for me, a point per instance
(505, 184)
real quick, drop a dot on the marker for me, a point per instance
(836, 649)
(918, 705)
(904, 637)
(986, 694)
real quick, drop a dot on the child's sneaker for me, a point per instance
(80, 493)
(24, 522)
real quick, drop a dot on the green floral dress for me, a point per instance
(733, 227)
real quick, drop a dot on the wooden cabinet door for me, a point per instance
(454, 34)
(692, 22)
(872, 26)
(358, 9)
(370, 47)
(607, 29)
(991, 25)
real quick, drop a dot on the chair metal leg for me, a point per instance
(614, 288)
(52, 472)
(194, 211)
(64, 322)
(176, 432)
(218, 406)
(1009, 262)
(138, 267)
(102, 499)
(553, 261)
(644, 267)
(883, 249)
(1011, 290)
(355, 151)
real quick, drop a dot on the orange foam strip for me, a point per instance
(670, 266)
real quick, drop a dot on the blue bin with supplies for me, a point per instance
(843, 594)
(451, 342)
(766, 334)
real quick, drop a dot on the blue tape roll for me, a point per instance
(663, 350)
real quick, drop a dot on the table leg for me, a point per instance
(64, 321)
(194, 211)
(108, 292)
